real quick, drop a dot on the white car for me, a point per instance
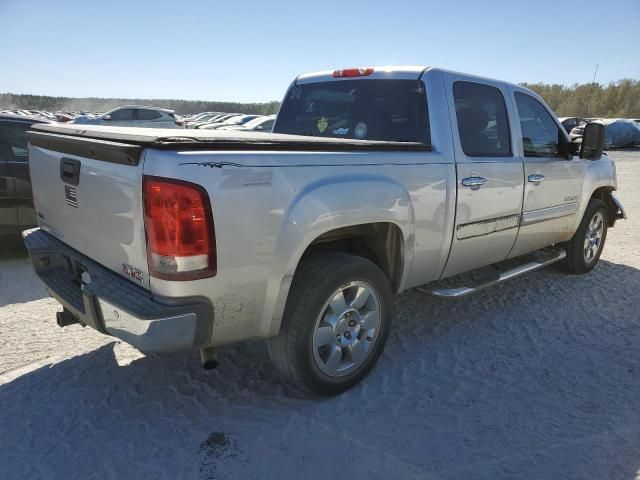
(260, 124)
(135, 116)
(233, 121)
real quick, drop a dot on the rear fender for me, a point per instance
(327, 205)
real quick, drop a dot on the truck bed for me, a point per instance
(131, 141)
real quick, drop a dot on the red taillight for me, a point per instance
(353, 72)
(181, 242)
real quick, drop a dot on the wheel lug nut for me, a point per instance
(347, 335)
(352, 323)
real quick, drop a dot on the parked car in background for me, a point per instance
(198, 116)
(16, 201)
(619, 132)
(202, 117)
(577, 132)
(215, 119)
(63, 117)
(569, 123)
(259, 124)
(209, 119)
(134, 116)
(230, 122)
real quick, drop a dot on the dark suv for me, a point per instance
(16, 202)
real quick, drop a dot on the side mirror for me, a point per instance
(592, 141)
(107, 117)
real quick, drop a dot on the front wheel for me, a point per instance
(335, 324)
(585, 248)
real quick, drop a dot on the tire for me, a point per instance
(583, 256)
(325, 346)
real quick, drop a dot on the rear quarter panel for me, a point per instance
(267, 213)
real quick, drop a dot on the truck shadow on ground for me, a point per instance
(537, 379)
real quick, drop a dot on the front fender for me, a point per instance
(597, 174)
(326, 205)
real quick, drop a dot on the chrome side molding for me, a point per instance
(544, 214)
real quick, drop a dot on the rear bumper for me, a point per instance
(114, 305)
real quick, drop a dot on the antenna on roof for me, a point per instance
(591, 91)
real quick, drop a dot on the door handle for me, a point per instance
(535, 178)
(473, 181)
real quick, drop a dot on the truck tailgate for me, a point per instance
(88, 197)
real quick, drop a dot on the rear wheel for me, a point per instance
(335, 324)
(585, 248)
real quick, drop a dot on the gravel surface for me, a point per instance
(537, 379)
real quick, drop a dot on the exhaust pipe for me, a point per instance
(208, 358)
(66, 318)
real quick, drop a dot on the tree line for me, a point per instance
(617, 99)
(54, 104)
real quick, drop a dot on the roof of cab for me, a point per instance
(406, 72)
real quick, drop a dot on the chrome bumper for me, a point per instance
(111, 304)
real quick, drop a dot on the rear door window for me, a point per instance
(483, 124)
(541, 136)
(386, 110)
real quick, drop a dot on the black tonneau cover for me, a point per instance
(125, 144)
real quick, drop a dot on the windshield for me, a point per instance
(389, 110)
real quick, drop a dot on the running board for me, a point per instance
(534, 261)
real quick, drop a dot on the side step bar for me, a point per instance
(545, 257)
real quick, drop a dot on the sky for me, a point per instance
(249, 51)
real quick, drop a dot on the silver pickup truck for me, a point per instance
(375, 180)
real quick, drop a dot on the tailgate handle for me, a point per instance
(70, 171)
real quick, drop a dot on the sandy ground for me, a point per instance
(535, 379)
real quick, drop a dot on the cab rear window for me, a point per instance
(13, 140)
(384, 110)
